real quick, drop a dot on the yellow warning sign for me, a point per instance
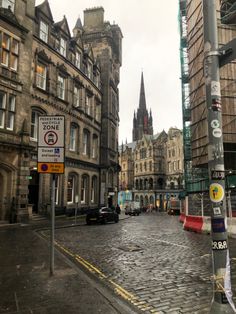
(217, 192)
(49, 167)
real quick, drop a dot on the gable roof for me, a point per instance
(63, 26)
(45, 9)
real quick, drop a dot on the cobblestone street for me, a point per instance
(162, 268)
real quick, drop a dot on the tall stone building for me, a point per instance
(106, 42)
(44, 70)
(142, 121)
(174, 159)
(126, 161)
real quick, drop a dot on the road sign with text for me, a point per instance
(51, 144)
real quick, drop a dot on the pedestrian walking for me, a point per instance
(118, 209)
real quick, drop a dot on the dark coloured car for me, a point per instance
(102, 215)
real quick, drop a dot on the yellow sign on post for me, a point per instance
(217, 192)
(47, 167)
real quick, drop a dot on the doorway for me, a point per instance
(33, 196)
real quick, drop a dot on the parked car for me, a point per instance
(102, 215)
(132, 211)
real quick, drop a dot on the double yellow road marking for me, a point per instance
(142, 305)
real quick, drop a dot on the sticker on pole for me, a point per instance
(217, 192)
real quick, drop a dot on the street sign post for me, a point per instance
(51, 144)
(51, 157)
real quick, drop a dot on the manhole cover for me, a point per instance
(131, 248)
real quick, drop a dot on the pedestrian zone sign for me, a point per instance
(51, 144)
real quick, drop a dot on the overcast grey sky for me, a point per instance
(150, 44)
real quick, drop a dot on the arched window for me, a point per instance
(86, 142)
(141, 167)
(146, 184)
(150, 183)
(146, 200)
(141, 201)
(150, 165)
(84, 189)
(71, 183)
(141, 184)
(74, 137)
(151, 200)
(94, 190)
(95, 146)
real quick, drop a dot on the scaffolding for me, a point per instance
(185, 93)
(196, 179)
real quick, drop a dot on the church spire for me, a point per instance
(142, 99)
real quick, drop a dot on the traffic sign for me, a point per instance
(51, 144)
(47, 167)
(51, 131)
(51, 154)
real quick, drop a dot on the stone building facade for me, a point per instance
(44, 70)
(156, 165)
(126, 161)
(174, 159)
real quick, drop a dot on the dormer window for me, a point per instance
(8, 3)
(43, 31)
(62, 47)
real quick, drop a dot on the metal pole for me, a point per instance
(52, 226)
(222, 294)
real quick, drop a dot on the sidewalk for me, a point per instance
(26, 286)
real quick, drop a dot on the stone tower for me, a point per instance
(142, 121)
(105, 39)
